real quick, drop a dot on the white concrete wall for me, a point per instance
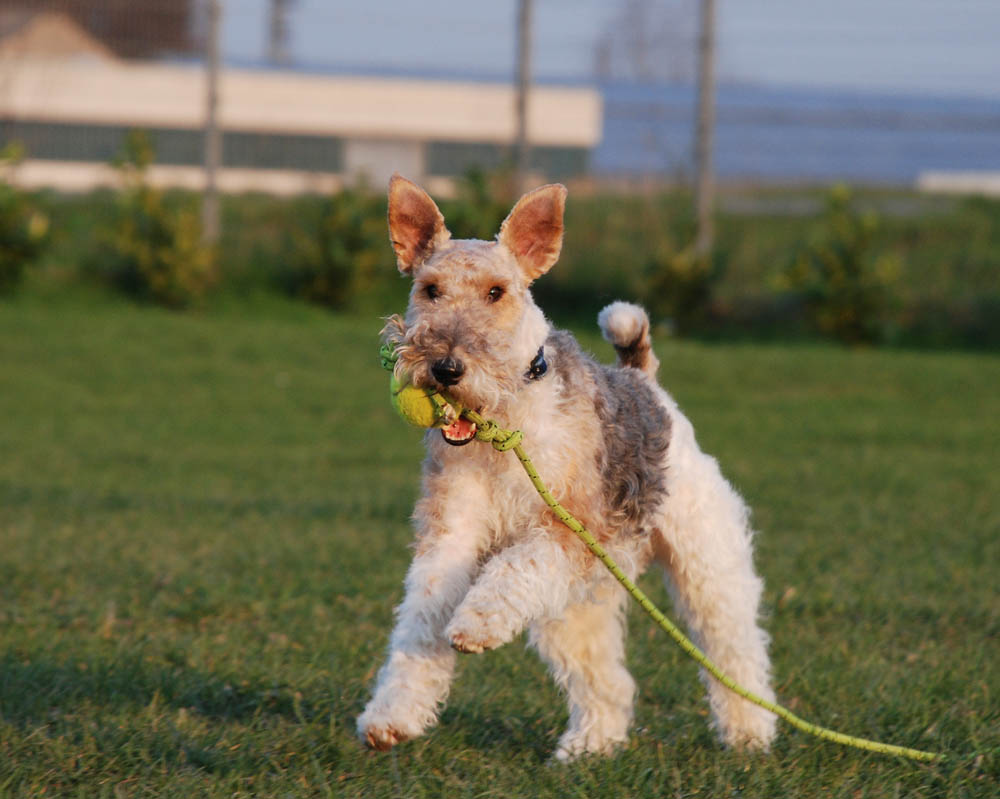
(82, 176)
(984, 183)
(169, 95)
(375, 160)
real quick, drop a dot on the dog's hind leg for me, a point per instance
(705, 547)
(585, 651)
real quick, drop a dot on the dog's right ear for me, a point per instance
(533, 231)
(416, 226)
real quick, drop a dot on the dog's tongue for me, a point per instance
(459, 432)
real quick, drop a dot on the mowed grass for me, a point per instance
(204, 529)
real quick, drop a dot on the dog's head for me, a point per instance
(471, 327)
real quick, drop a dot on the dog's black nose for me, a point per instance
(448, 371)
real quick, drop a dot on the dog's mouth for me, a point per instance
(460, 432)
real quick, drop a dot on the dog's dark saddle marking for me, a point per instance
(635, 427)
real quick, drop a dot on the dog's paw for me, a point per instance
(379, 736)
(377, 730)
(470, 633)
(754, 734)
(576, 744)
(470, 645)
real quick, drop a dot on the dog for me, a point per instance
(491, 560)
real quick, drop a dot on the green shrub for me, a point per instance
(614, 249)
(846, 285)
(154, 250)
(480, 206)
(23, 228)
(681, 285)
(342, 251)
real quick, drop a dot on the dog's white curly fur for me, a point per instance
(490, 559)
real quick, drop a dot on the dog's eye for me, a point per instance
(432, 291)
(494, 294)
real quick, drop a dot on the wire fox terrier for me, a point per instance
(490, 558)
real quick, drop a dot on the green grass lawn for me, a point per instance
(204, 529)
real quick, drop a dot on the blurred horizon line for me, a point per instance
(730, 82)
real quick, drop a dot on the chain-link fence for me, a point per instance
(313, 94)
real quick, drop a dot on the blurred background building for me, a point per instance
(313, 94)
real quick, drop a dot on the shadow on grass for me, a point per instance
(33, 692)
(384, 506)
(177, 717)
(505, 736)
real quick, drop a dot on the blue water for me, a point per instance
(797, 134)
(766, 133)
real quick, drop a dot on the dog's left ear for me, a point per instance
(416, 227)
(533, 231)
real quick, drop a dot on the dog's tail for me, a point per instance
(626, 326)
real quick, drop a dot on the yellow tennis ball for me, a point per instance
(422, 407)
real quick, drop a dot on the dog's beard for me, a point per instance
(488, 383)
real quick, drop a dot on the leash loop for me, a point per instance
(489, 431)
(388, 356)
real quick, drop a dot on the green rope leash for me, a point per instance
(504, 440)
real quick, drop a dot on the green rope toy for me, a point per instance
(428, 408)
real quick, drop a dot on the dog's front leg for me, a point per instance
(527, 581)
(416, 676)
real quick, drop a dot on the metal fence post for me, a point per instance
(213, 136)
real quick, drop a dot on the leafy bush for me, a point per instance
(614, 249)
(681, 285)
(479, 208)
(342, 251)
(847, 286)
(154, 251)
(23, 228)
